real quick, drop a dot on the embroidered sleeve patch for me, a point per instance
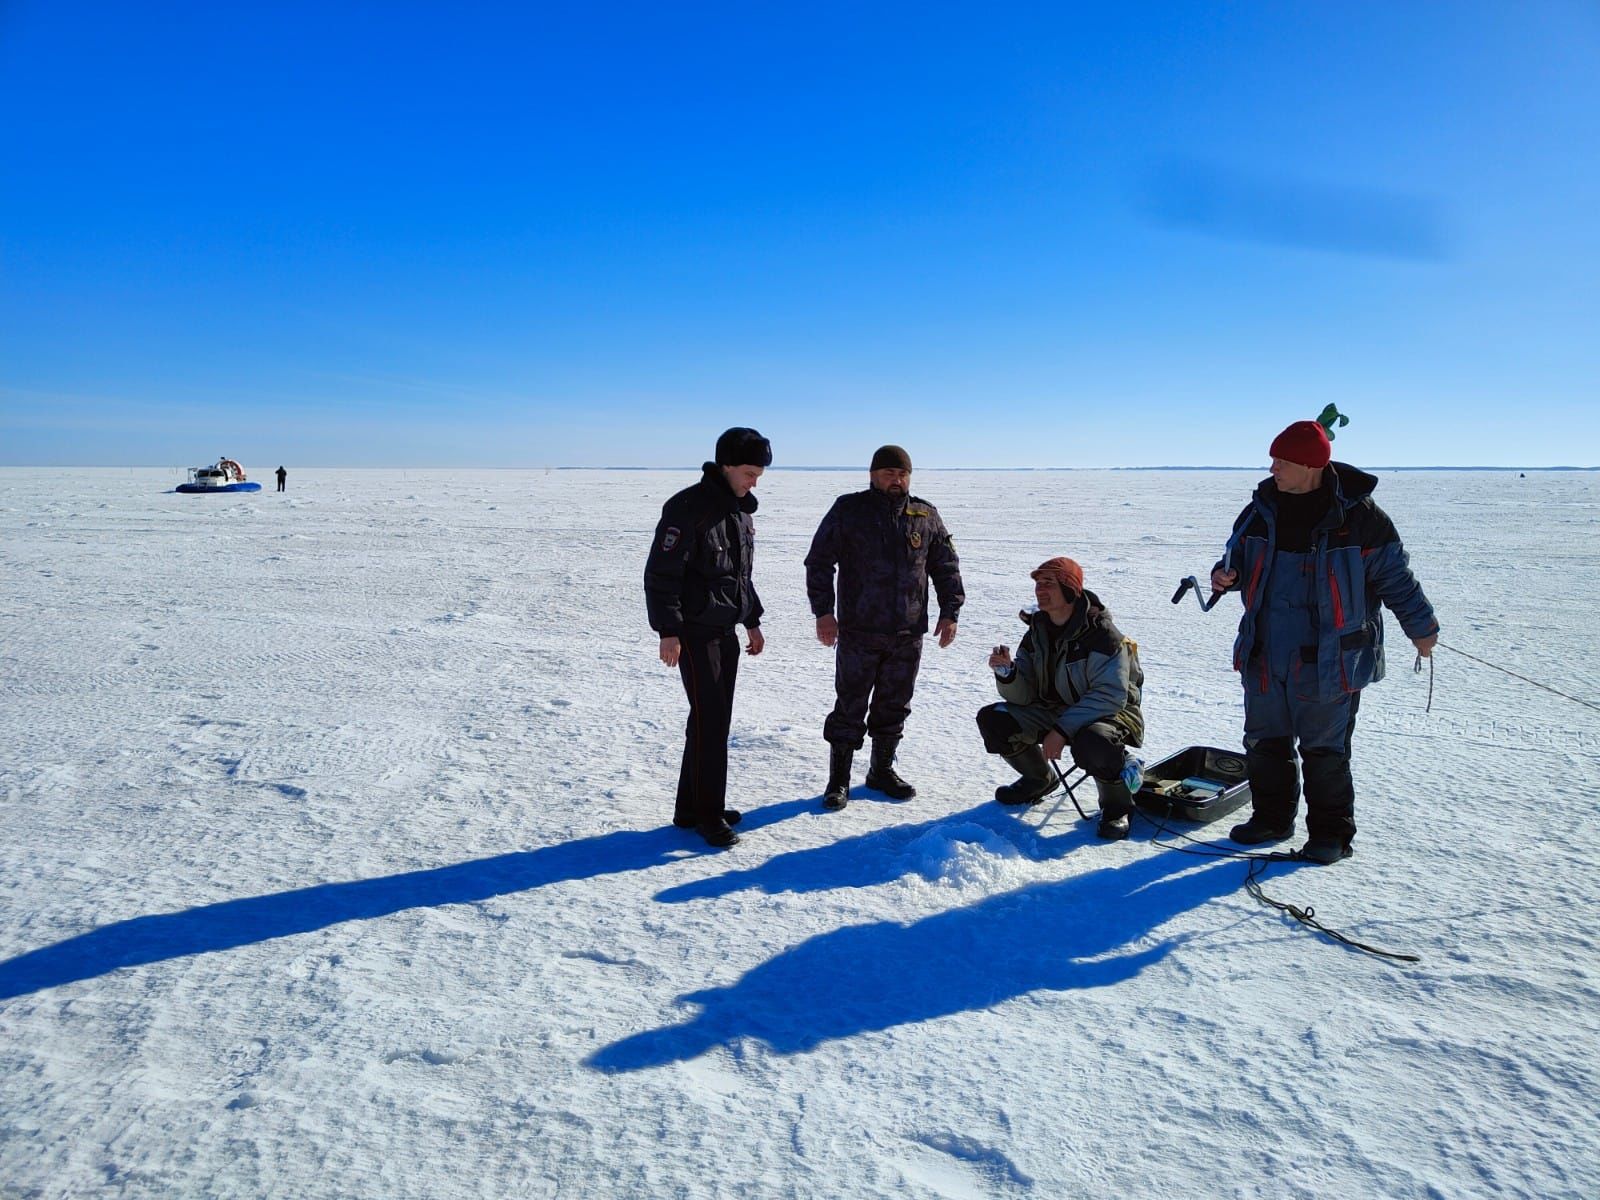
(669, 539)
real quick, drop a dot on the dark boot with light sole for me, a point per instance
(837, 794)
(1037, 781)
(881, 776)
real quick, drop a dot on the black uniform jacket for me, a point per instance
(886, 552)
(697, 579)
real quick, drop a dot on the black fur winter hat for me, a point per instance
(741, 447)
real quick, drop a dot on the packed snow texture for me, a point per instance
(337, 864)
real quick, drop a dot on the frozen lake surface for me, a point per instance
(336, 863)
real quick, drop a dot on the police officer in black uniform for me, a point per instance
(697, 587)
(887, 544)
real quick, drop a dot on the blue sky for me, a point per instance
(1045, 235)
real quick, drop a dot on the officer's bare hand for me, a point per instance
(1425, 645)
(828, 630)
(671, 651)
(1000, 658)
(945, 631)
(1054, 743)
(756, 644)
(1222, 579)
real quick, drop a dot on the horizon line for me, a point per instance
(796, 467)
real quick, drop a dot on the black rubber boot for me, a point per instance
(881, 776)
(1037, 781)
(1116, 809)
(837, 794)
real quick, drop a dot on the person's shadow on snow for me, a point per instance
(865, 978)
(884, 855)
(234, 923)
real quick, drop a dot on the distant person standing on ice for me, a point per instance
(1316, 557)
(697, 587)
(1075, 683)
(887, 545)
(282, 475)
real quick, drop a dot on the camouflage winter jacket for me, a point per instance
(886, 551)
(1089, 671)
(698, 578)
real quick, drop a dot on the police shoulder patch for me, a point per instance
(669, 538)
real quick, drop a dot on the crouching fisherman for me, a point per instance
(1074, 683)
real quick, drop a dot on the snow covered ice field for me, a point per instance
(336, 863)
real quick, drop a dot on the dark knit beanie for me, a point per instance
(1064, 571)
(741, 447)
(1304, 442)
(890, 456)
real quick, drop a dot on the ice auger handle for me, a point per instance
(1190, 583)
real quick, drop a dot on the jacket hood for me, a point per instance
(1090, 612)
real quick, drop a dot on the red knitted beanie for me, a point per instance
(1304, 442)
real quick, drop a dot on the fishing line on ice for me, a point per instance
(1417, 667)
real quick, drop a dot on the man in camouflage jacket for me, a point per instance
(887, 544)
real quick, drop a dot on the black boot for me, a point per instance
(718, 834)
(1274, 793)
(837, 793)
(881, 776)
(1037, 781)
(1116, 809)
(1324, 851)
(1330, 806)
(1258, 829)
(731, 815)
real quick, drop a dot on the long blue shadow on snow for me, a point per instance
(235, 923)
(864, 978)
(884, 855)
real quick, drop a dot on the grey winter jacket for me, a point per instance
(1094, 668)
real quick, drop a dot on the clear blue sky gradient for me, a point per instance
(1047, 235)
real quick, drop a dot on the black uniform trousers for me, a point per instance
(709, 666)
(873, 678)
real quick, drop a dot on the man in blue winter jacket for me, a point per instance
(1313, 558)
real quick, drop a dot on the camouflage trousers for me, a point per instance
(873, 678)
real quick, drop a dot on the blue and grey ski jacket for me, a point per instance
(1356, 561)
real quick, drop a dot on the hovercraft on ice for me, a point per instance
(225, 476)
